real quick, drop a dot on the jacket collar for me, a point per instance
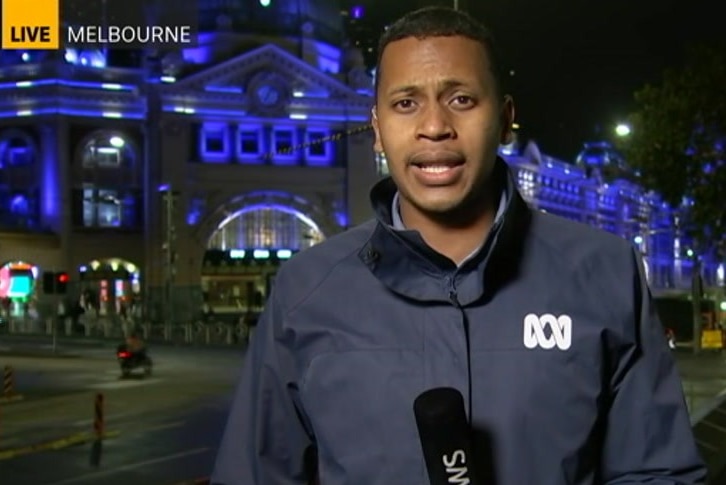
(404, 263)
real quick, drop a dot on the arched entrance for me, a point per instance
(266, 226)
(244, 253)
(18, 283)
(110, 286)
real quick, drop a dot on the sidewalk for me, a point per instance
(36, 340)
(704, 379)
(36, 352)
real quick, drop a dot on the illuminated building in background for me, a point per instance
(187, 179)
(596, 190)
(133, 172)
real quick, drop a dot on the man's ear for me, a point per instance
(377, 145)
(507, 117)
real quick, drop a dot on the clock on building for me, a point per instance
(269, 93)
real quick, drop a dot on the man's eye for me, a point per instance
(404, 103)
(463, 100)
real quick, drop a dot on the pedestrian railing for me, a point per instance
(194, 332)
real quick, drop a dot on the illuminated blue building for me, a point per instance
(198, 170)
(596, 190)
(191, 176)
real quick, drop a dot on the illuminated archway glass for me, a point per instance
(266, 226)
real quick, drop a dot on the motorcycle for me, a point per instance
(129, 361)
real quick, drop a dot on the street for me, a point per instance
(162, 429)
(703, 377)
(158, 450)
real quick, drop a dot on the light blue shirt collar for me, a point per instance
(398, 224)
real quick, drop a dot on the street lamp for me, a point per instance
(622, 130)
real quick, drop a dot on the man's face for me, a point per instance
(439, 120)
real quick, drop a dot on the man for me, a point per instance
(135, 344)
(545, 326)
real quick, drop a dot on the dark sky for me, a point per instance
(578, 62)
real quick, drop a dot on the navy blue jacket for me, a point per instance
(549, 332)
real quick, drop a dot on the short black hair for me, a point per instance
(439, 21)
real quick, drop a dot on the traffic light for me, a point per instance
(48, 282)
(55, 283)
(61, 283)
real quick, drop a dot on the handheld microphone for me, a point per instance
(445, 436)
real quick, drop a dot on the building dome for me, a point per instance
(318, 19)
(600, 155)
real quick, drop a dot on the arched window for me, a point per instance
(103, 201)
(106, 149)
(16, 149)
(268, 226)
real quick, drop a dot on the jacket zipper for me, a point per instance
(454, 299)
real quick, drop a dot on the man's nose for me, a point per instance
(435, 123)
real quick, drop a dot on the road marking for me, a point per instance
(13, 398)
(141, 428)
(124, 384)
(111, 418)
(71, 440)
(160, 427)
(131, 466)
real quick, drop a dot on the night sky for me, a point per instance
(578, 62)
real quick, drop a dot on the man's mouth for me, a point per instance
(437, 167)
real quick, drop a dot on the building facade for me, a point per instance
(185, 178)
(597, 190)
(177, 185)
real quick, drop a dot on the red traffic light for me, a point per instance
(63, 277)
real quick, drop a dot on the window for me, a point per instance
(214, 143)
(318, 148)
(19, 209)
(283, 144)
(16, 149)
(105, 149)
(104, 157)
(18, 155)
(249, 142)
(20, 205)
(101, 208)
(284, 141)
(107, 208)
(272, 228)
